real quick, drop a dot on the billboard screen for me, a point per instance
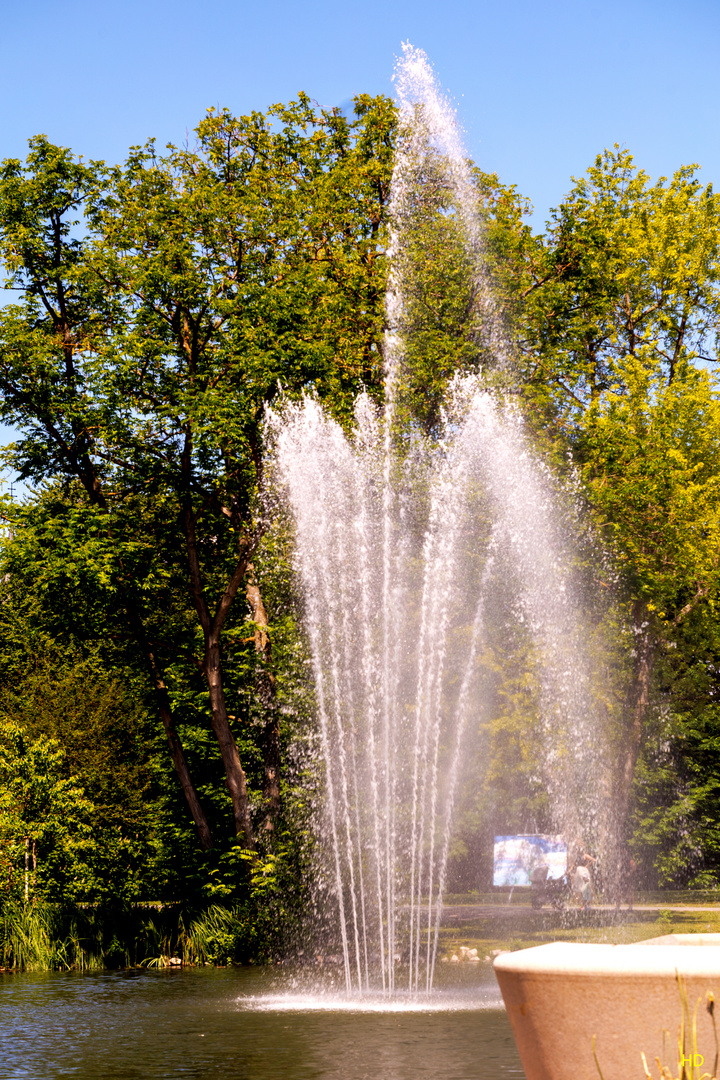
(515, 857)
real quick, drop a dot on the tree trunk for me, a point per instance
(234, 772)
(637, 709)
(180, 762)
(267, 692)
(162, 699)
(212, 662)
(87, 475)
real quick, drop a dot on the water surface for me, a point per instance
(245, 1024)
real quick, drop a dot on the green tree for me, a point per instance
(69, 670)
(142, 355)
(628, 268)
(45, 818)
(619, 319)
(613, 318)
(652, 457)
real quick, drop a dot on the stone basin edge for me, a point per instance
(638, 959)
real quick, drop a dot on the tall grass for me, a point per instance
(29, 938)
(39, 936)
(222, 935)
(690, 1062)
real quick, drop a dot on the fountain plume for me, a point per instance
(395, 601)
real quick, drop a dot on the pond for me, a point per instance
(249, 1024)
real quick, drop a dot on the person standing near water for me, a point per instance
(538, 882)
(581, 878)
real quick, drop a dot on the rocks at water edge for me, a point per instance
(464, 955)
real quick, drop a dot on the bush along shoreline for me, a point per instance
(41, 936)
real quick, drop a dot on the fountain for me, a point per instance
(412, 549)
(403, 544)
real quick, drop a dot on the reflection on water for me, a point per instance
(245, 1024)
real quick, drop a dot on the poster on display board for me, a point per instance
(515, 857)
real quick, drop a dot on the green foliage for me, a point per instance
(628, 269)
(45, 819)
(449, 322)
(41, 935)
(162, 305)
(224, 936)
(615, 313)
(73, 676)
(29, 938)
(675, 825)
(159, 307)
(652, 451)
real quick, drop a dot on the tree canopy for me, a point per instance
(158, 308)
(163, 304)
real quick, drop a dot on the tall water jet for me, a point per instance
(400, 544)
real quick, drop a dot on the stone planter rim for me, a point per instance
(681, 953)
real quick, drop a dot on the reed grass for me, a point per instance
(687, 1045)
(29, 939)
(221, 935)
(687, 1041)
(39, 936)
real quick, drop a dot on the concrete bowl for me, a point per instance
(629, 997)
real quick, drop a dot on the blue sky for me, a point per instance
(540, 87)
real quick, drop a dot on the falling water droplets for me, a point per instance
(395, 579)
